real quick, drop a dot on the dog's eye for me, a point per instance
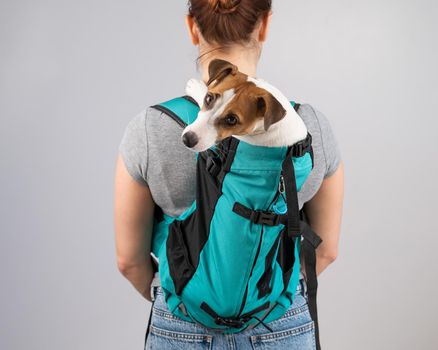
(231, 119)
(209, 98)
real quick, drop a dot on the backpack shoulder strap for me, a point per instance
(183, 109)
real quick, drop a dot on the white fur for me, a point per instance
(197, 89)
(287, 131)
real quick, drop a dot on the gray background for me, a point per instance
(73, 73)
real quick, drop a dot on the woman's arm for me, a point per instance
(324, 213)
(133, 220)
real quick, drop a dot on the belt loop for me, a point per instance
(154, 285)
(303, 287)
(153, 291)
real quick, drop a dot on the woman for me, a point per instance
(155, 168)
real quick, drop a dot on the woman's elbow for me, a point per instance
(329, 255)
(125, 265)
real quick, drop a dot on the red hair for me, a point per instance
(225, 22)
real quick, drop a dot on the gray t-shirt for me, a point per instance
(155, 156)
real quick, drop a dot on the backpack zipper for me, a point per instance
(280, 190)
(252, 268)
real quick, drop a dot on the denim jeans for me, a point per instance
(293, 331)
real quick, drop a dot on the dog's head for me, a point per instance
(232, 106)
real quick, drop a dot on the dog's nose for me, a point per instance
(190, 139)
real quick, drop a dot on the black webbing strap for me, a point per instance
(293, 216)
(259, 216)
(229, 146)
(154, 269)
(234, 322)
(301, 147)
(261, 319)
(309, 234)
(310, 243)
(213, 163)
(149, 325)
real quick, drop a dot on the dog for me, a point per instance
(247, 108)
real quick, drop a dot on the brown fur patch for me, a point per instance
(249, 104)
(244, 105)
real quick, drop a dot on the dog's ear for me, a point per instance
(270, 109)
(218, 69)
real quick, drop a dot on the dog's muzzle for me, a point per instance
(190, 139)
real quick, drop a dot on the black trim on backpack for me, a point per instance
(293, 216)
(286, 256)
(158, 213)
(149, 324)
(170, 114)
(263, 283)
(308, 249)
(155, 269)
(296, 224)
(187, 237)
(191, 99)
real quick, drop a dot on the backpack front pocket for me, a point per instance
(178, 256)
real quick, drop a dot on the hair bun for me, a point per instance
(225, 6)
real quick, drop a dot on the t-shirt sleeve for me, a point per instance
(133, 148)
(330, 145)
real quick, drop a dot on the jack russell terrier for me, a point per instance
(235, 104)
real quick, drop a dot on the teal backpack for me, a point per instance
(232, 260)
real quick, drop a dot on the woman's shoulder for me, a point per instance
(313, 117)
(133, 147)
(325, 144)
(148, 135)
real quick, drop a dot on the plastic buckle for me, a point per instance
(265, 217)
(298, 149)
(229, 322)
(212, 167)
